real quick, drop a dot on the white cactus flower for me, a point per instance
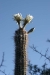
(18, 17)
(29, 18)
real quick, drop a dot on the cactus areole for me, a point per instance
(21, 39)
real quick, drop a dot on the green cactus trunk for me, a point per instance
(20, 38)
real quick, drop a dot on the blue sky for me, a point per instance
(40, 9)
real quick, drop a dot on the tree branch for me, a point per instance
(2, 60)
(3, 72)
(44, 55)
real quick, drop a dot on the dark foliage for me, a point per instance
(35, 70)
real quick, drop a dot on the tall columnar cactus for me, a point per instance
(21, 38)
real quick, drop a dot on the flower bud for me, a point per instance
(18, 17)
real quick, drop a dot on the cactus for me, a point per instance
(20, 39)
